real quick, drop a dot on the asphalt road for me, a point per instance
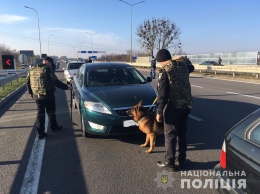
(100, 165)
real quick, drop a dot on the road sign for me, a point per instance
(96, 51)
(28, 53)
(44, 55)
(22, 58)
(8, 62)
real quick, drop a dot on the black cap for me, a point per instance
(163, 55)
(48, 59)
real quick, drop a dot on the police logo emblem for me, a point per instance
(164, 179)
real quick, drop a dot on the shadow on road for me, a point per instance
(61, 170)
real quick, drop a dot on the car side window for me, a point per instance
(255, 134)
(80, 75)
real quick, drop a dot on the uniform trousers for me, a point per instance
(175, 128)
(44, 103)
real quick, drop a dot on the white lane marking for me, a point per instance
(243, 95)
(196, 86)
(232, 80)
(33, 171)
(195, 118)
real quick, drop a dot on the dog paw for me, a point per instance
(143, 145)
(148, 151)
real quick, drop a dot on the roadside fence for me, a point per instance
(10, 78)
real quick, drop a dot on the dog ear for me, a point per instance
(136, 110)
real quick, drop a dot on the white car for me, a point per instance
(71, 70)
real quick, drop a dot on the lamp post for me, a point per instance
(38, 28)
(91, 42)
(49, 43)
(80, 46)
(131, 24)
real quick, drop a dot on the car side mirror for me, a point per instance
(149, 79)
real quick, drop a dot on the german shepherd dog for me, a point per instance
(147, 123)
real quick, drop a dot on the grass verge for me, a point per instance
(10, 87)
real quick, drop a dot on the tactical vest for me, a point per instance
(41, 79)
(179, 84)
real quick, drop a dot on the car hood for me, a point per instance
(122, 95)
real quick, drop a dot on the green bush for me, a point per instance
(10, 87)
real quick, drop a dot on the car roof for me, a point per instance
(76, 62)
(105, 65)
(209, 62)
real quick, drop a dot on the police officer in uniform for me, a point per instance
(173, 106)
(153, 68)
(41, 85)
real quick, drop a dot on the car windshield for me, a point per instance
(74, 65)
(114, 76)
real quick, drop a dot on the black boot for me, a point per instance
(166, 163)
(42, 135)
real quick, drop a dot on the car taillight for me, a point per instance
(223, 156)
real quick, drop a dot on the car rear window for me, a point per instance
(255, 134)
(74, 65)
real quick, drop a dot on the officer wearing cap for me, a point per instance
(41, 85)
(173, 106)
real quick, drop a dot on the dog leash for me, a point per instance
(153, 103)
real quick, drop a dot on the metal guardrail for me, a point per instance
(237, 68)
(10, 78)
(230, 69)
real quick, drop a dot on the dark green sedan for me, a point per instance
(239, 167)
(103, 92)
